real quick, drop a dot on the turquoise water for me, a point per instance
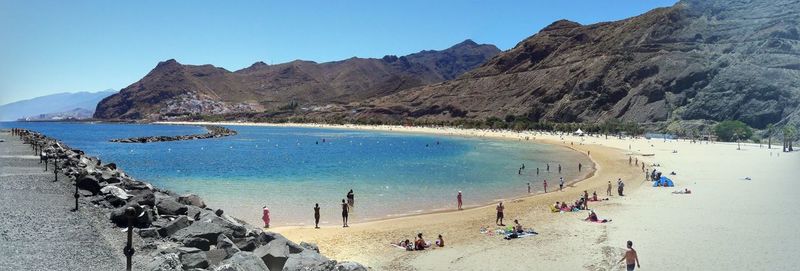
(290, 169)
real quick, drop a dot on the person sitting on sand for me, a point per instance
(555, 208)
(594, 195)
(420, 243)
(593, 218)
(440, 241)
(518, 227)
(564, 207)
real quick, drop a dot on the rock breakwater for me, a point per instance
(213, 132)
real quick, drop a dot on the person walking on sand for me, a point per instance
(631, 258)
(545, 186)
(265, 217)
(316, 216)
(458, 198)
(561, 184)
(351, 200)
(499, 220)
(345, 213)
(608, 191)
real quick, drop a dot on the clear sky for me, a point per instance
(65, 46)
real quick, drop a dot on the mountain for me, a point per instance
(174, 90)
(698, 60)
(55, 103)
(74, 114)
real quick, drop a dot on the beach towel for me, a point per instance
(520, 235)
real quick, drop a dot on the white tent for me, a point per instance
(578, 132)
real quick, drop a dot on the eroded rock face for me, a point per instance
(698, 60)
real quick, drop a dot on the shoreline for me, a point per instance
(453, 132)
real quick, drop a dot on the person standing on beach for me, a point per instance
(499, 220)
(458, 198)
(316, 216)
(585, 200)
(630, 160)
(265, 217)
(559, 168)
(631, 258)
(351, 200)
(545, 186)
(620, 186)
(608, 191)
(561, 184)
(345, 213)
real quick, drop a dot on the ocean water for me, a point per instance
(291, 169)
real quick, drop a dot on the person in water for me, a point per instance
(345, 213)
(545, 186)
(459, 199)
(559, 168)
(529, 187)
(265, 217)
(631, 258)
(500, 208)
(316, 216)
(351, 200)
(561, 184)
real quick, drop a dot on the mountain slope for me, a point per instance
(175, 90)
(55, 103)
(698, 60)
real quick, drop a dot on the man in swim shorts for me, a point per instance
(630, 258)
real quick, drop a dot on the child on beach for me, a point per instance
(265, 217)
(440, 241)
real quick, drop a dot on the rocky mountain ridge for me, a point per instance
(173, 90)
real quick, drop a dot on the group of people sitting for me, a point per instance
(579, 204)
(420, 243)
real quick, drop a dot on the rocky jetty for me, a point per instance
(213, 132)
(177, 232)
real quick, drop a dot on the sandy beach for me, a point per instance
(728, 222)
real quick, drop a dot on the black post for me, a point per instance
(55, 168)
(76, 195)
(130, 212)
(45, 165)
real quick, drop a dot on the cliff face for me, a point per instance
(172, 89)
(698, 60)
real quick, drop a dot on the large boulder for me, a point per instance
(197, 242)
(246, 244)
(311, 246)
(116, 192)
(173, 226)
(89, 183)
(164, 262)
(143, 197)
(149, 233)
(243, 261)
(308, 260)
(266, 238)
(192, 258)
(349, 266)
(225, 243)
(274, 254)
(144, 216)
(210, 226)
(169, 206)
(192, 199)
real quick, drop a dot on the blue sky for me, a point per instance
(65, 46)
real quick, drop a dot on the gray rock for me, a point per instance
(210, 226)
(246, 244)
(216, 256)
(308, 260)
(274, 254)
(145, 216)
(144, 197)
(193, 258)
(149, 233)
(175, 225)
(310, 246)
(165, 262)
(270, 237)
(349, 266)
(169, 206)
(115, 191)
(197, 242)
(243, 261)
(192, 199)
(225, 243)
(89, 183)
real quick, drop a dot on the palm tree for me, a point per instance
(789, 133)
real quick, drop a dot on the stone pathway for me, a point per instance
(38, 230)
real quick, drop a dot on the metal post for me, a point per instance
(76, 195)
(45, 165)
(130, 212)
(55, 168)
